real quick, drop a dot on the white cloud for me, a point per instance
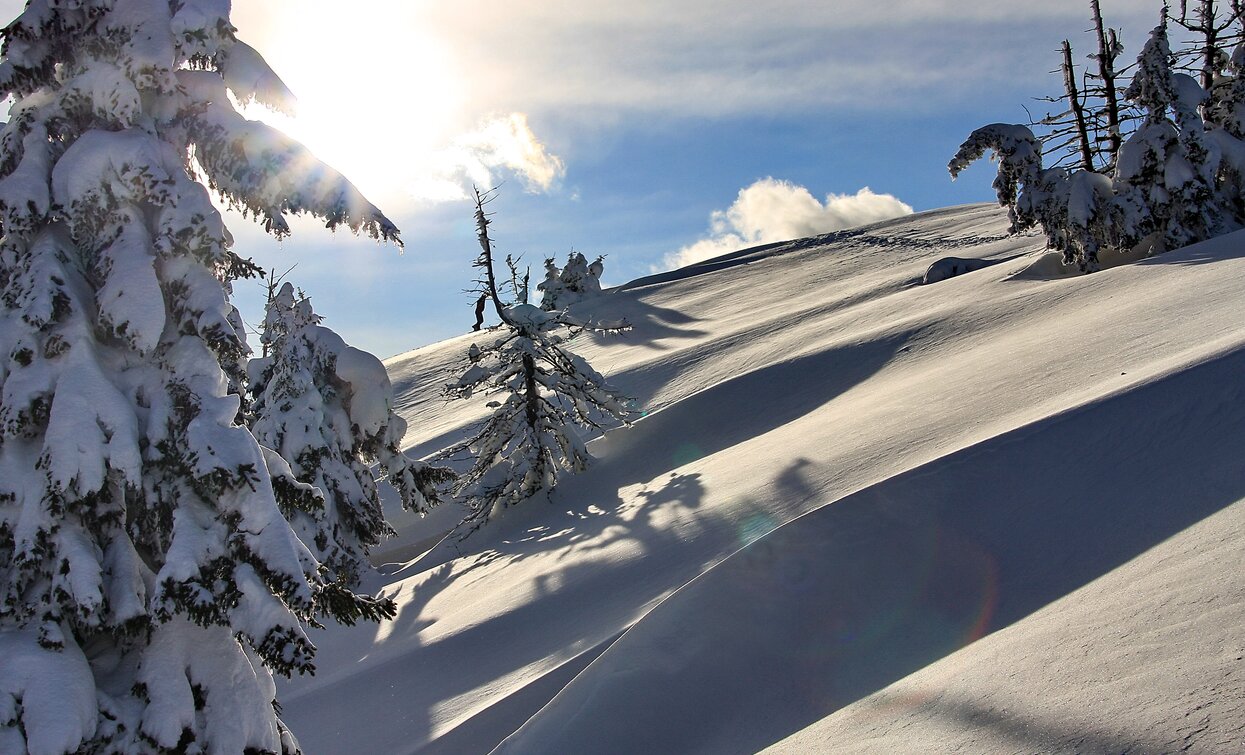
(484, 157)
(774, 210)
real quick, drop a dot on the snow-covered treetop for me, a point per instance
(577, 281)
(167, 69)
(1153, 86)
(1019, 154)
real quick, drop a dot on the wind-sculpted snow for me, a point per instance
(816, 374)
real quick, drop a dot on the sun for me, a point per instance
(378, 94)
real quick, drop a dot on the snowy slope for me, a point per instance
(998, 452)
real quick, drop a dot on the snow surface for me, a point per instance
(1000, 513)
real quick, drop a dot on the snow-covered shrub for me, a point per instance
(547, 392)
(148, 580)
(577, 281)
(326, 409)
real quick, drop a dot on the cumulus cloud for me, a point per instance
(775, 210)
(500, 147)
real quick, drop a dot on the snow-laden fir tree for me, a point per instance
(148, 581)
(546, 393)
(327, 410)
(576, 281)
(1166, 172)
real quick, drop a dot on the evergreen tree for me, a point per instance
(327, 409)
(148, 581)
(551, 286)
(1166, 173)
(548, 393)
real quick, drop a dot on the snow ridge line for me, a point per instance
(775, 249)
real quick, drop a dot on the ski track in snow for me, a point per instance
(1030, 547)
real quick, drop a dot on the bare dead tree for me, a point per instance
(1214, 36)
(1109, 49)
(1065, 134)
(1093, 122)
(484, 262)
(1076, 107)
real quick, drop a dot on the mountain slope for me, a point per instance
(774, 382)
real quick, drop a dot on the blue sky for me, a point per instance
(621, 129)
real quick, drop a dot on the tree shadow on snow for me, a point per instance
(1032, 734)
(651, 325)
(558, 617)
(1207, 252)
(737, 410)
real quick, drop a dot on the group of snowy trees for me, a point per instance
(576, 281)
(1155, 165)
(174, 515)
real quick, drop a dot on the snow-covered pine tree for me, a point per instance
(327, 409)
(548, 391)
(551, 286)
(1165, 178)
(1227, 111)
(1074, 209)
(148, 581)
(1018, 183)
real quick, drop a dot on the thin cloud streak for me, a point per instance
(728, 57)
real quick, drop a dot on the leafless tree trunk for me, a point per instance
(1077, 107)
(1212, 30)
(1108, 51)
(488, 285)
